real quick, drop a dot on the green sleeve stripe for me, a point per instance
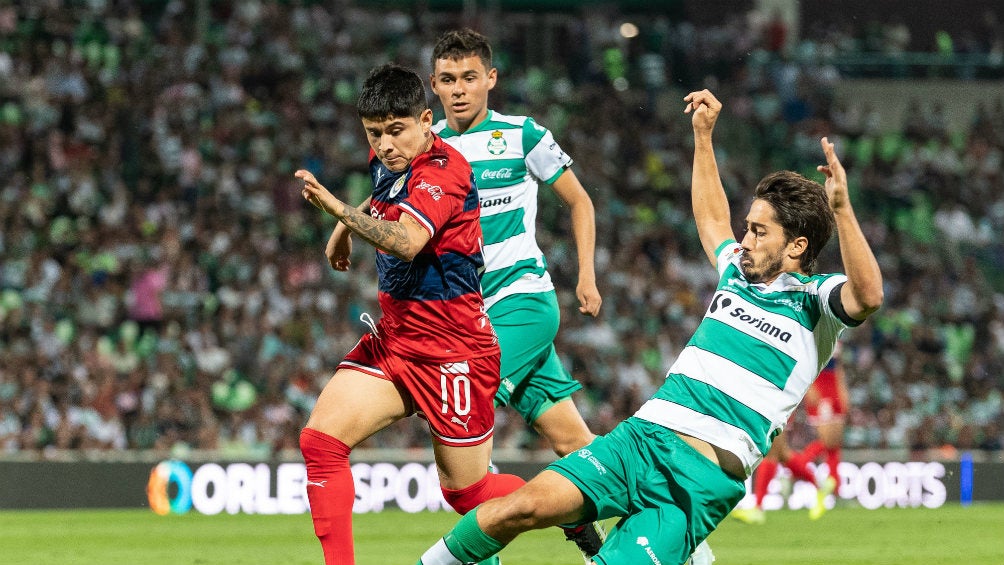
(493, 281)
(721, 246)
(555, 176)
(708, 400)
(500, 227)
(756, 356)
(532, 134)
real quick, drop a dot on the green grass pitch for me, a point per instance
(844, 536)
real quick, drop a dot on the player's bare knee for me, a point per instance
(567, 445)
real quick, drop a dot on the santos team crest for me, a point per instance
(497, 144)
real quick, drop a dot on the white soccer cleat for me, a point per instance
(702, 555)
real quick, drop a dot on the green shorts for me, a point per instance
(670, 497)
(533, 378)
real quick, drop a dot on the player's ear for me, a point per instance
(493, 76)
(425, 120)
(798, 246)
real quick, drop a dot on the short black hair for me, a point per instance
(459, 44)
(392, 91)
(802, 208)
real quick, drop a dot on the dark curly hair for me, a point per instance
(802, 208)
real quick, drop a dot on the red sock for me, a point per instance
(833, 461)
(491, 486)
(799, 465)
(331, 493)
(761, 479)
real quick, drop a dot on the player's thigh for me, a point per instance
(547, 500)
(779, 450)
(831, 432)
(355, 405)
(461, 467)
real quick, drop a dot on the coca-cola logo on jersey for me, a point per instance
(497, 174)
(434, 190)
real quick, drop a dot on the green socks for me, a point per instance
(465, 543)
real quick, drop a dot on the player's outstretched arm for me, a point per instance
(711, 207)
(570, 190)
(862, 295)
(402, 239)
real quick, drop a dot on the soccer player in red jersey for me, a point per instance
(433, 352)
(825, 405)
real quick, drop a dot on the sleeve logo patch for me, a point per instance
(398, 185)
(435, 191)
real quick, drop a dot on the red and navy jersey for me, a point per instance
(432, 306)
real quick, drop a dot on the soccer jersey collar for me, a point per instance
(482, 125)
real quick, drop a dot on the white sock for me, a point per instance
(439, 554)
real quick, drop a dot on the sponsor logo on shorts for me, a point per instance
(588, 456)
(463, 423)
(643, 542)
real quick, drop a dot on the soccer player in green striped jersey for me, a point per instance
(676, 468)
(511, 156)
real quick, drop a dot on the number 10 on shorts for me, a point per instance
(455, 385)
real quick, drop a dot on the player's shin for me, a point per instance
(761, 480)
(833, 456)
(799, 466)
(331, 493)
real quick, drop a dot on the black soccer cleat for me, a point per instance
(588, 538)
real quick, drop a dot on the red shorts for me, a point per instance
(829, 407)
(456, 398)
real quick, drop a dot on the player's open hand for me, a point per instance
(836, 177)
(315, 193)
(705, 107)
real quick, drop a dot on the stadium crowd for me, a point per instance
(163, 285)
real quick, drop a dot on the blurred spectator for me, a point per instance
(153, 289)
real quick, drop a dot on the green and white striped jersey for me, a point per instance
(509, 155)
(751, 360)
